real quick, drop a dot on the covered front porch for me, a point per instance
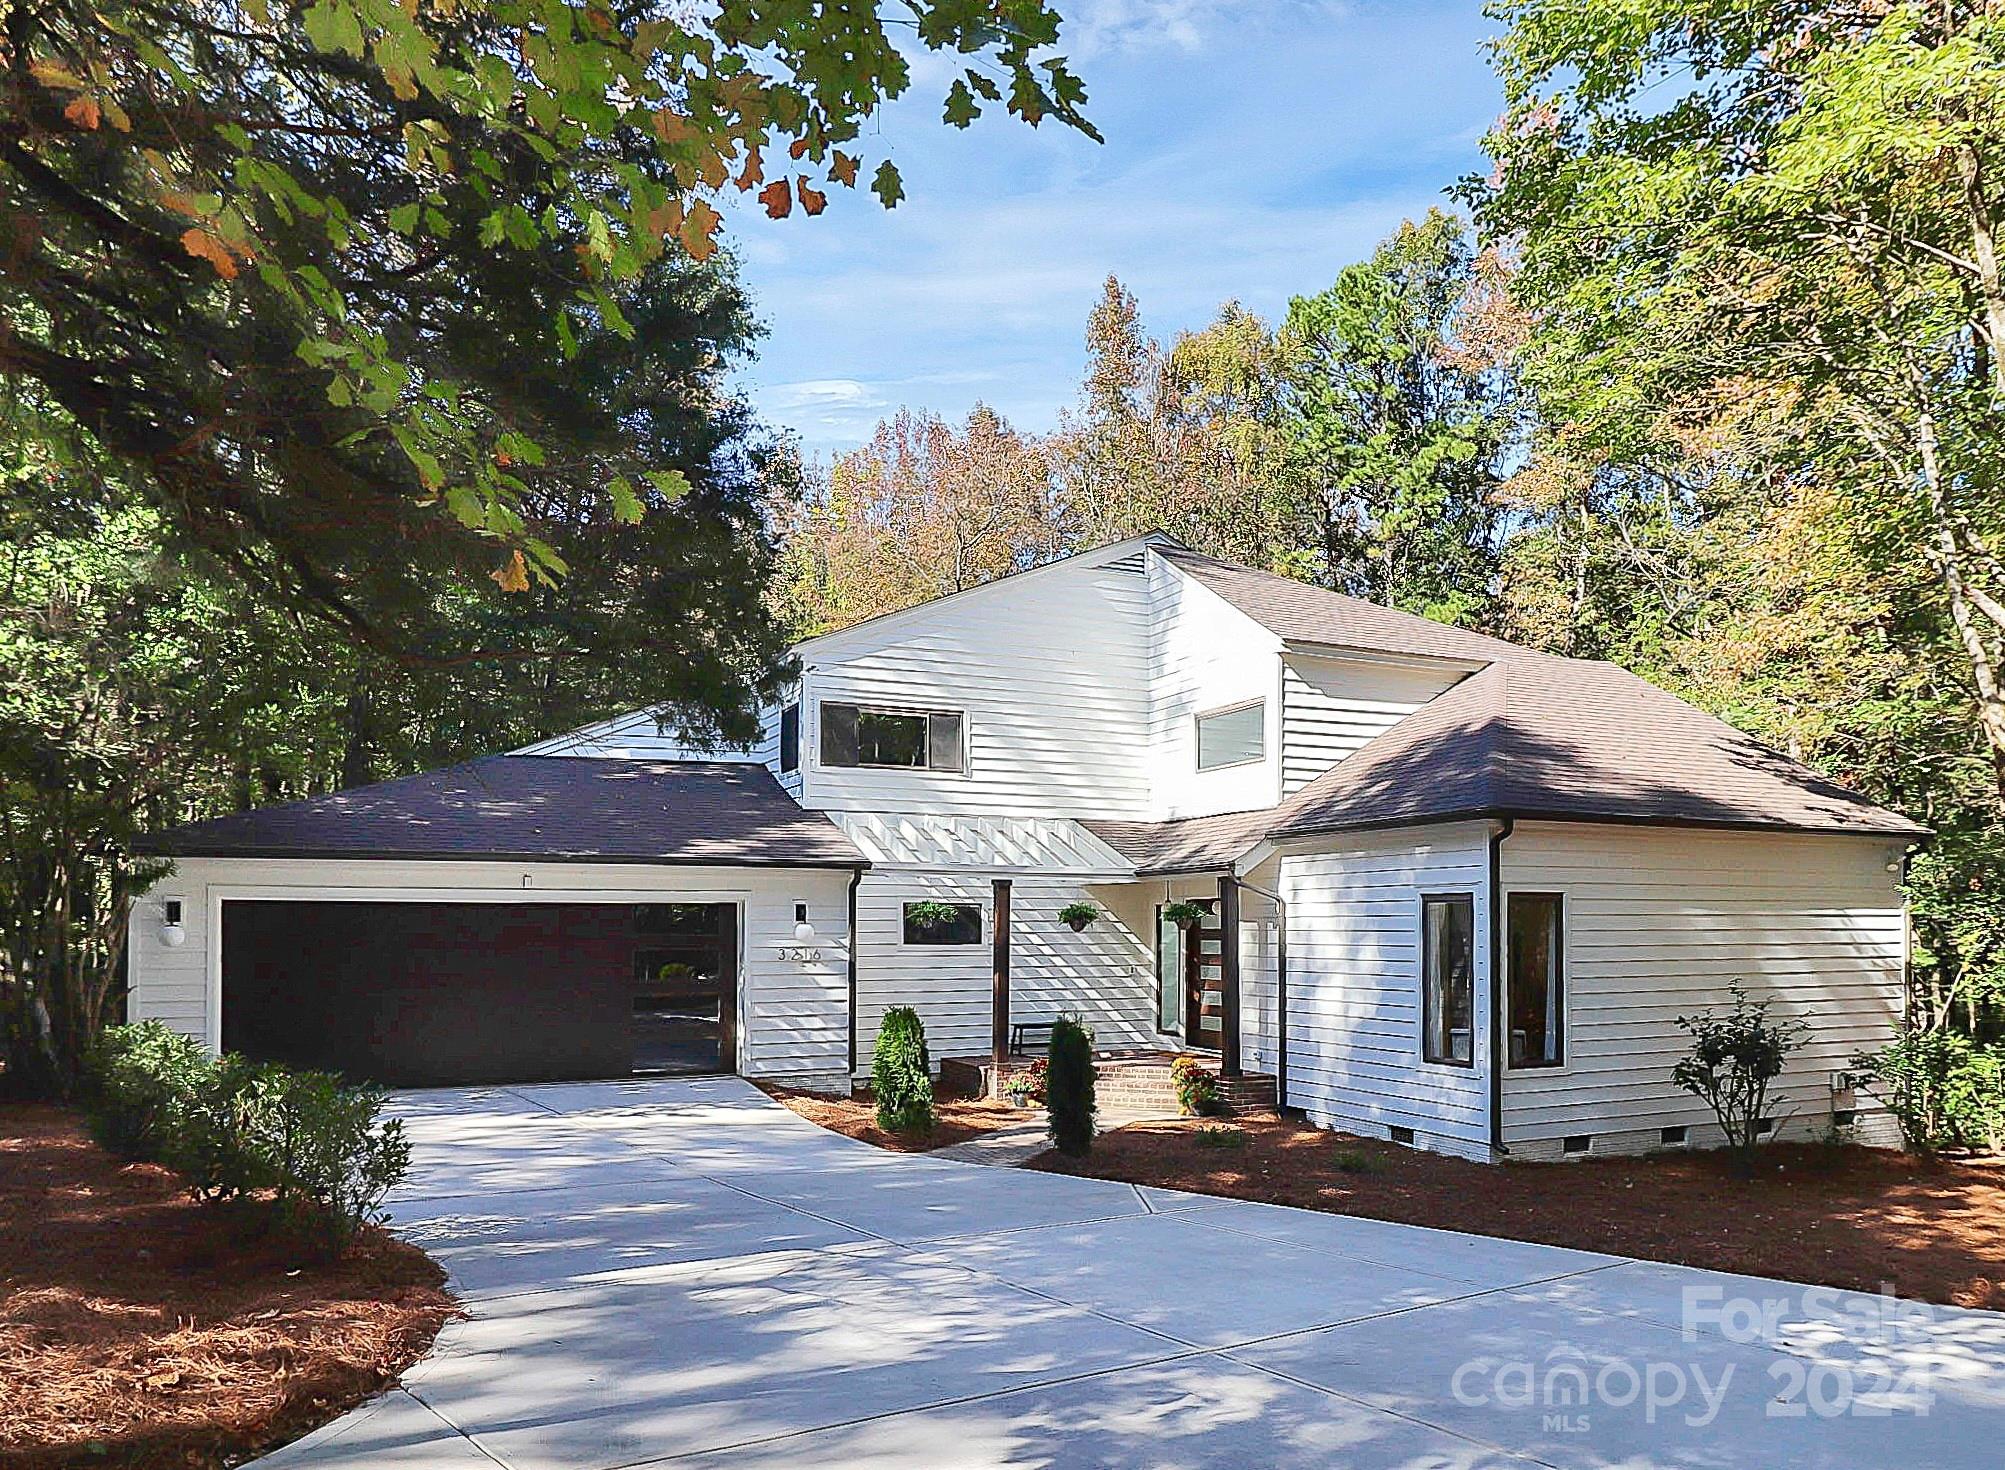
(1204, 932)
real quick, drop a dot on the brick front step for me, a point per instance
(1126, 1084)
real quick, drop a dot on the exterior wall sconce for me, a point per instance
(804, 932)
(172, 933)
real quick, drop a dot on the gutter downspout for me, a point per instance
(855, 882)
(1497, 1145)
(1280, 992)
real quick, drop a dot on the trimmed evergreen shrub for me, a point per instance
(140, 1080)
(901, 1074)
(1068, 1087)
(233, 1129)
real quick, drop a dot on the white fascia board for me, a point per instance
(1303, 648)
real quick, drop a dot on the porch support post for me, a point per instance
(1228, 974)
(999, 991)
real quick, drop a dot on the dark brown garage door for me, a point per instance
(417, 994)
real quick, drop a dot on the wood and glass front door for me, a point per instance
(1190, 997)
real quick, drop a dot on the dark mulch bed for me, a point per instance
(1835, 1216)
(139, 1328)
(955, 1120)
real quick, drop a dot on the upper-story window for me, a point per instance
(790, 737)
(918, 740)
(1234, 736)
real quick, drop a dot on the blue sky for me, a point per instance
(1253, 149)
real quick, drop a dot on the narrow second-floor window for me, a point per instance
(790, 737)
(1234, 736)
(922, 740)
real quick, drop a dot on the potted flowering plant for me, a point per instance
(1025, 1089)
(1077, 916)
(1184, 914)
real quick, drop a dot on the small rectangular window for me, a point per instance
(856, 735)
(1535, 967)
(790, 737)
(944, 744)
(1232, 737)
(1448, 979)
(927, 922)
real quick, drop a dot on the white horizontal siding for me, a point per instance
(1659, 922)
(1331, 706)
(642, 736)
(1205, 654)
(1354, 985)
(793, 1018)
(1102, 974)
(1006, 844)
(1052, 674)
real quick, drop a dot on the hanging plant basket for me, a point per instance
(1184, 914)
(1076, 916)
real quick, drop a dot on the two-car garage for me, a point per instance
(521, 918)
(417, 994)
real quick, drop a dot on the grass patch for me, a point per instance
(1214, 1136)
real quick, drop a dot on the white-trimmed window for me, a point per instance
(929, 922)
(893, 739)
(1535, 963)
(1448, 979)
(1233, 736)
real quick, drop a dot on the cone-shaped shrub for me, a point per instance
(901, 1074)
(1068, 1087)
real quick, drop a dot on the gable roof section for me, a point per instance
(541, 809)
(1536, 736)
(1093, 556)
(1525, 735)
(1300, 613)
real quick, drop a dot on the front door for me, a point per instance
(1190, 997)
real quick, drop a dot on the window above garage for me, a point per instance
(857, 735)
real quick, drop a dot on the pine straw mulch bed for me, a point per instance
(139, 1328)
(955, 1120)
(1832, 1216)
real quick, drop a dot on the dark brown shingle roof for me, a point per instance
(541, 808)
(1534, 736)
(1301, 613)
(1186, 845)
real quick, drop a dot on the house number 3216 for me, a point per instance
(799, 954)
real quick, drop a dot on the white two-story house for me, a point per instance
(1427, 885)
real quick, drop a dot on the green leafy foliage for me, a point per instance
(1945, 1090)
(1069, 1087)
(1078, 915)
(901, 1073)
(1735, 1057)
(302, 208)
(315, 1147)
(141, 1077)
(1185, 914)
(1213, 1135)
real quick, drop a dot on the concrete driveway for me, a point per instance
(682, 1271)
